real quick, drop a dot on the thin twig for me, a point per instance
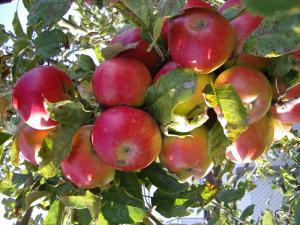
(154, 219)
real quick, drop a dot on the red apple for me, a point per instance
(29, 142)
(252, 143)
(44, 82)
(287, 108)
(200, 39)
(165, 69)
(83, 167)
(121, 81)
(188, 5)
(253, 88)
(243, 25)
(187, 156)
(131, 36)
(126, 138)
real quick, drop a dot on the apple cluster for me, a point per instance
(125, 136)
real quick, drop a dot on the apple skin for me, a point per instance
(253, 88)
(44, 82)
(188, 5)
(29, 141)
(164, 70)
(201, 39)
(252, 143)
(187, 156)
(121, 81)
(126, 138)
(288, 110)
(243, 26)
(131, 36)
(83, 167)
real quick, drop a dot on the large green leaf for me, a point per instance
(247, 212)
(130, 182)
(116, 213)
(280, 66)
(170, 7)
(267, 219)
(163, 181)
(89, 201)
(169, 91)
(49, 43)
(269, 7)
(231, 195)
(17, 26)
(57, 145)
(86, 63)
(35, 197)
(46, 12)
(217, 143)
(55, 213)
(233, 117)
(276, 35)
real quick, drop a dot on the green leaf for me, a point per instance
(101, 220)
(277, 35)
(233, 12)
(169, 91)
(35, 197)
(28, 4)
(47, 12)
(49, 43)
(158, 25)
(3, 138)
(120, 195)
(130, 182)
(280, 66)
(116, 213)
(20, 45)
(297, 212)
(233, 118)
(170, 7)
(14, 152)
(17, 26)
(217, 143)
(86, 63)
(231, 195)
(247, 212)
(159, 178)
(3, 37)
(57, 145)
(267, 219)
(55, 213)
(113, 50)
(269, 7)
(89, 201)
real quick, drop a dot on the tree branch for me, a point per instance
(26, 218)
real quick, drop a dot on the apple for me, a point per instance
(44, 82)
(201, 39)
(252, 143)
(164, 70)
(243, 25)
(197, 98)
(253, 88)
(140, 52)
(83, 167)
(126, 138)
(287, 108)
(187, 156)
(121, 81)
(29, 141)
(188, 5)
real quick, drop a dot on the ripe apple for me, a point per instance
(287, 108)
(252, 143)
(200, 39)
(29, 141)
(83, 167)
(253, 88)
(243, 25)
(44, 82)
(188, 5)
(121, 81)
(133, 36)
(126, 138)
(187, 156)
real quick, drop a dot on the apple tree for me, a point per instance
(140, 112)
